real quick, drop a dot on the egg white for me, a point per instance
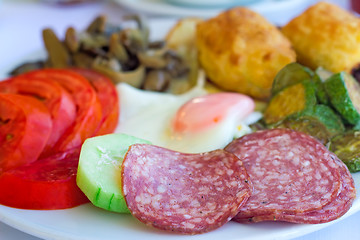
(148, 115)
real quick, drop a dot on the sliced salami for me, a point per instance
(335, 209)
(184, 193)
(292, 173)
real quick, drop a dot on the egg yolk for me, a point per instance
(202, 113)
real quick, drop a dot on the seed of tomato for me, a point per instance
(58, 101)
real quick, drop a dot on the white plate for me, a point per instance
(87, 222)
(91, 223)
(165, 8)
(211, 3)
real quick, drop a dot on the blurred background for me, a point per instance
(21, 21)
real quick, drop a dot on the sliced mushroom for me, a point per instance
(131, 64)
(135, 78)
(154, 61)
(133, 39)
(116, 49)
(59, 56)
(111, 64)
(141, 25)
(71, 40)
(157, 80)
(179, 85)
(97, 26)
(83, 60)
(123, 54)
(89, 41)
(95, 52)
(175, 65)
(114, 65)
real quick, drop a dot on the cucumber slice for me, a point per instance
(293, 99)
(344, 93)
(347, 147)
(99, 171)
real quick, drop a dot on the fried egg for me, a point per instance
(193, 122)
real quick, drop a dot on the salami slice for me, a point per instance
(330, 212)
(184, 193)
(292, 173)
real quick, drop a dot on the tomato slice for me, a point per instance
(108, 98)
(88, 108)
(25, 126)
(58, 101)
(45, 184)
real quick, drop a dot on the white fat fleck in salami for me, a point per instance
(184, 193)
(291, 172)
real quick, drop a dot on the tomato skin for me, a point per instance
(88, 107)
(25, 126)
(108, 98)
(49, 183)
(58, 101)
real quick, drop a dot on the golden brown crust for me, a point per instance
(241, 51)
(326, 35)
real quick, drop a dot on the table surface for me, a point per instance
(24, 19)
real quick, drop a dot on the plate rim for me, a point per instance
(163, 8)
(43, 232)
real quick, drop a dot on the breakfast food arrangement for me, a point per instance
(227, 119)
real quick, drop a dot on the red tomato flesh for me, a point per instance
(58, 101)
(108, 98)
(48, 183)
(25, 126)
(88, 108)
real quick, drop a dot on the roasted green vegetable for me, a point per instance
(291, 74)
(320, 122)
(328, 117)
(320, 89)
(296, 98)
(306, 124)
(344, 93)
(294, 73)
(347, 147)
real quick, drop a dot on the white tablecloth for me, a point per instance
(21, 23)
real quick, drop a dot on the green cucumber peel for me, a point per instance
(340, 99)
(99, 171)
(320, 90)
(328, 117)
(291, 74)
